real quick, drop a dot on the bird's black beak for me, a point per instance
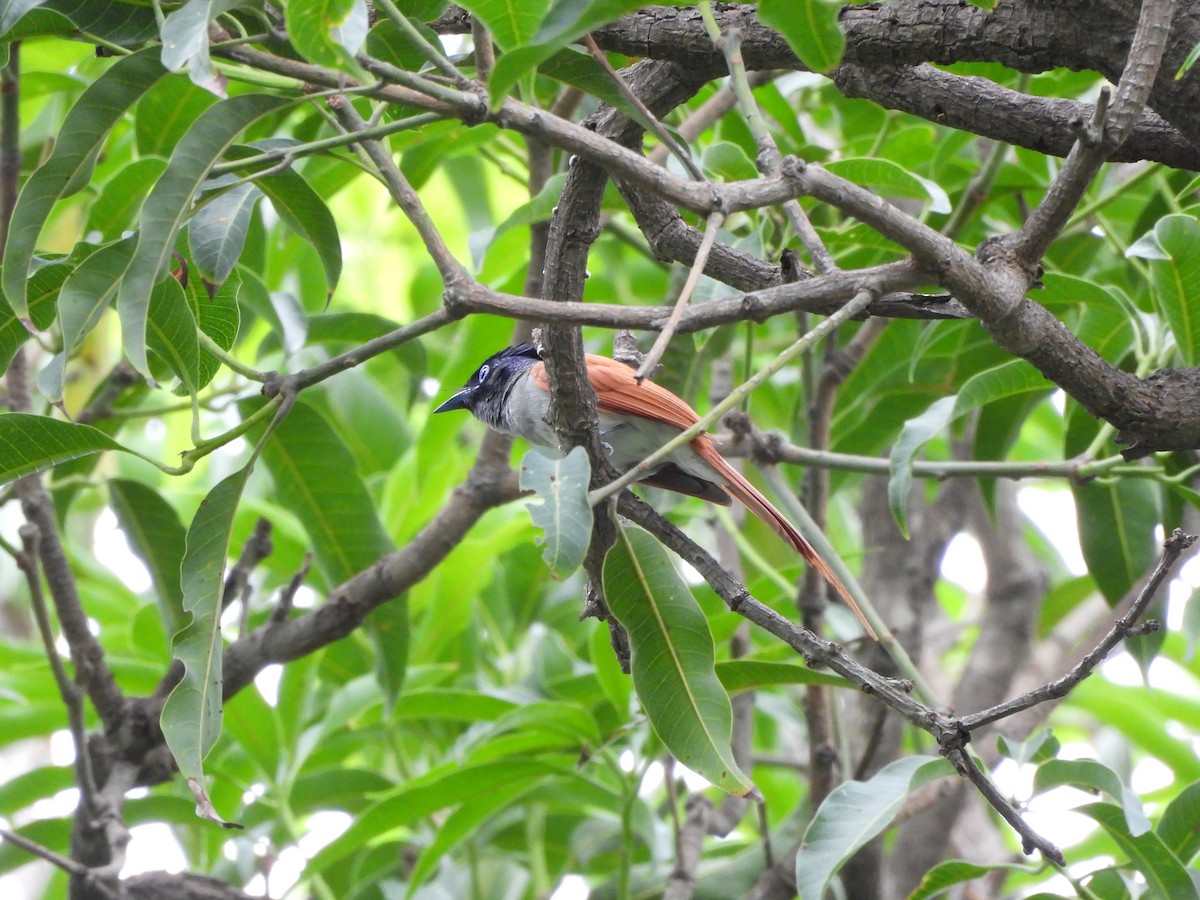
(458, 401)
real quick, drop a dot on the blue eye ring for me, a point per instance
(483, 372)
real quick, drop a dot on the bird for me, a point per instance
(510, 393)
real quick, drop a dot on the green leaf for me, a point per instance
(217, 232)
(957, 871)
(42, 297)
(1165, 874)
(1116, 532)
(563, 513)
(1008, 379)
(739, 675)
(298, 205)
(171, 333)
(463, 822)
(810, 27)
(1093, 776)
(170, 201)
(218, 316)
(1042, 746)
(427, 794)
(127, 24)
(76, 144)
(728, 161)
(82, 299)
(167, 111)
(328, 32)
(30, 444)
(315, 478)
(672, 659)
(1176, 282)
(388, 628)
(915, 434)
(567, 21)
(1177, 828)
(854, 813)
(191, 717)
(185, 37)
(577, 68)
(891, 179)
(115, 209)
(511, 22)
(158, 538)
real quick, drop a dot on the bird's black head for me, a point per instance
(486, 391)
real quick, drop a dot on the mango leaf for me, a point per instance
(31, 443)
(127, 24)
(1176, 281)
(854, 813)
(913, 436)
(890, 179)
(218, 316)
(672, 659)
(171, 333)
(1165, 875)
(739, 675)
(388, 627)
(300, 207)
(1008, 379)
(510, 22)
(567, 21)
(315, 478)
(328, 32)
(158, 538)
(810, 27)
(43, 292)
(82, 299)
(169, 202)
(75, 146)
(1116, 532)
(1177, 827)
(114, 210)
(1093, 776)
(191, 717)
(957, 871)
(217, 232)
(185, 37)
(563, 515)
(421, 796)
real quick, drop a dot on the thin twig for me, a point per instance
(428, 50)
(1173, 547)
(1106, 131)
(650, 363)
(72, 696)
(406, 198)
(769, 160)
(485, 52)
(57, 859)
(1030, 839)
(648, 118)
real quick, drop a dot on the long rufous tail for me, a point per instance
(749, 496)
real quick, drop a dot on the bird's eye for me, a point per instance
(483, 373)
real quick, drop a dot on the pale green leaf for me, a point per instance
(191, 717)
(563, 513)
(853, 814)
(810, 27)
